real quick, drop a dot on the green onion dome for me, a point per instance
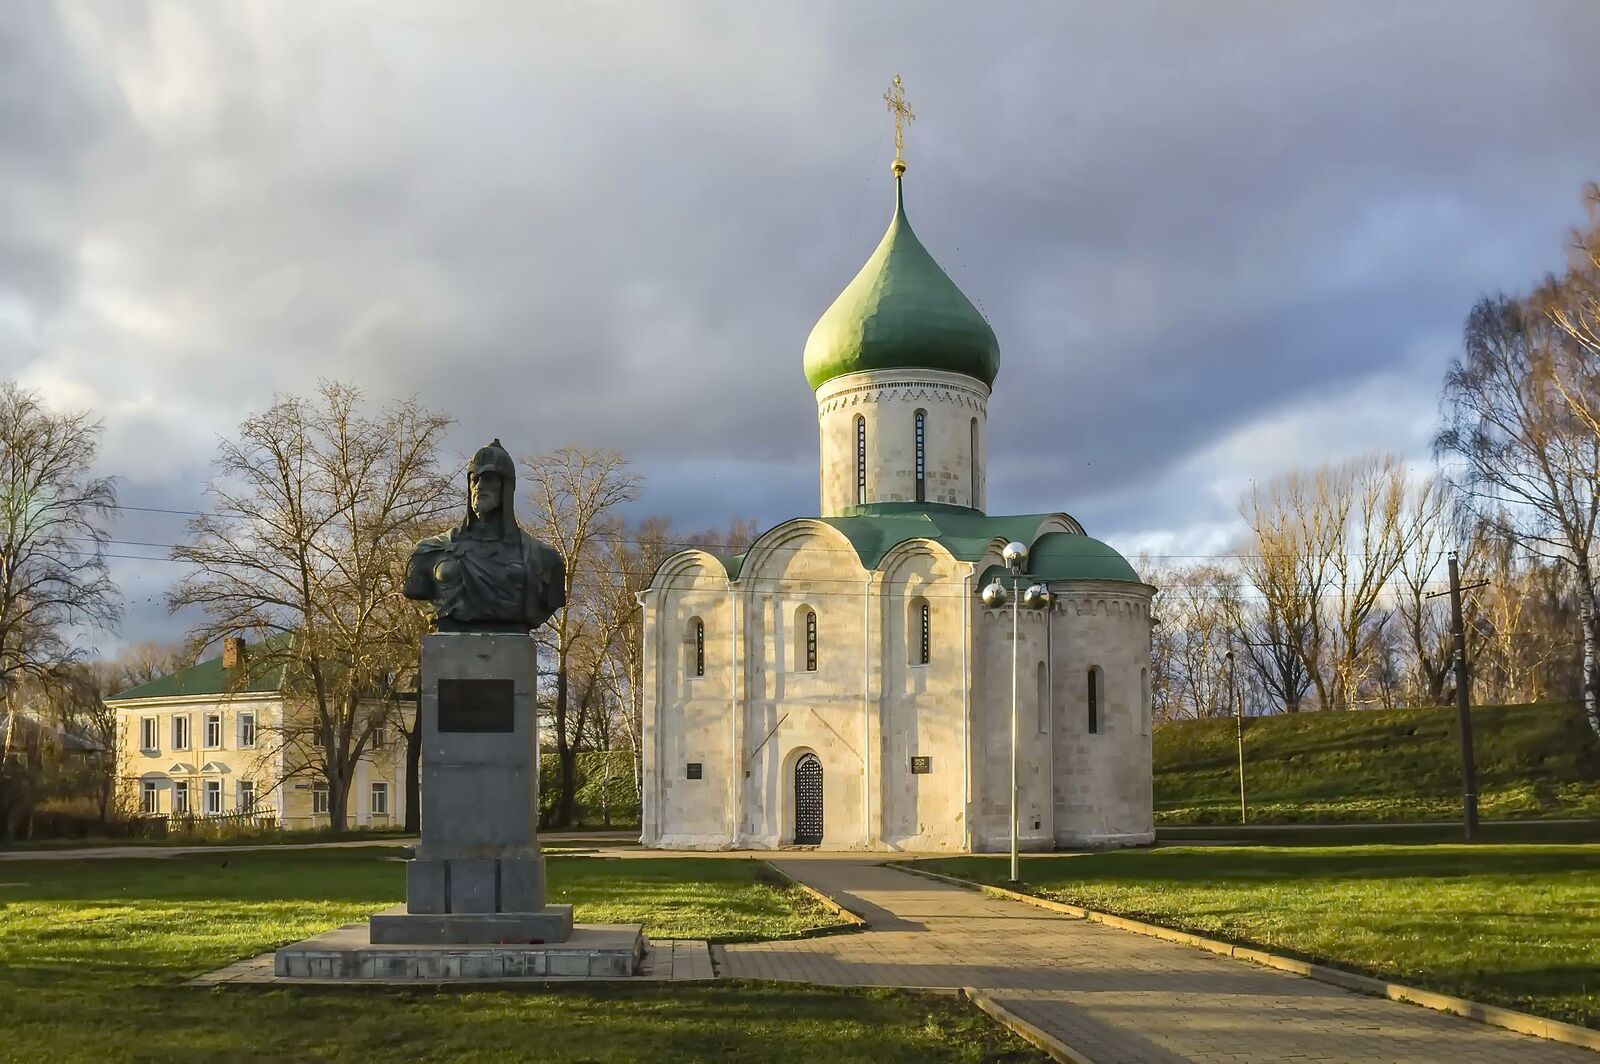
(901, 312)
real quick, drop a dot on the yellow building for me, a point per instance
(213, 740)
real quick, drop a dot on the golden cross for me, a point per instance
(896, 99)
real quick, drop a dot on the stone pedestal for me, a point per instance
(475, 899)
(477, 876)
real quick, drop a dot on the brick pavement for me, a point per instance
(1114, 996)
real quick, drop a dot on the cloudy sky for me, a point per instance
(1215, 240)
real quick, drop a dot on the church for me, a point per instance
(842, 684)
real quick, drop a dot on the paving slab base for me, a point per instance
(593, 951)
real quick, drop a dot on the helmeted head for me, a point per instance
(492, 488)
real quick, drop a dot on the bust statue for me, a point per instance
(487, 574)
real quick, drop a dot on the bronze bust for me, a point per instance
(487, 574)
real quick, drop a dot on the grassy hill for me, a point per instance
(1533, 761)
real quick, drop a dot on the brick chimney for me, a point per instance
(232, 652)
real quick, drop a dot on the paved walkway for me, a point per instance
(1114, 996)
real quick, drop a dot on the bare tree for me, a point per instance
(1373, 540)
(1290, 564)
(1422, 615)
(54, 515)
(1526, 462)
(1201, 609)
(1270, 651)
(573, 496)
(1327, 541)
(315, 508)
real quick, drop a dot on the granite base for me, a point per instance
(395, 927)
(592, 951)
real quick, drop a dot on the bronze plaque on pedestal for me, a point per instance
(476, 706)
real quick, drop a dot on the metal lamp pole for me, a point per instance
(1035, 597)
(1238, 727)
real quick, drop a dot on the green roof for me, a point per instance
(901, 312)
(875, 529)
(1059, 556)
(210, 678)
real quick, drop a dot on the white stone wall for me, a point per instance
(807, 565)
(923, 707)
(991, 695)
(1103, 781)
(871, 706)
(887, 401)
(688, 718)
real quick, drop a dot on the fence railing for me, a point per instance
(160, 825)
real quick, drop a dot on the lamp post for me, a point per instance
(1238, 727)
(1035, 597)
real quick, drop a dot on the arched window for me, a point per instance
(811, 640)
(922, 456)
(919, 632)
(861, 460)
(694, 648)
(1094, 700)
(972, 452)
(1042, 686)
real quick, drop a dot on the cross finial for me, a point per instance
(896, 99)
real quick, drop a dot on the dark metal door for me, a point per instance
(808, 801)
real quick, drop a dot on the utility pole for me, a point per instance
(1469, 771)
(1238, 726)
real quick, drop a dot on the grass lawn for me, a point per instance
(1512, 925)
(92, 953)
(260, 838)
(1520, 832)
(1375, 765)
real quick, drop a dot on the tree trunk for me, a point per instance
(414, 778)
(1588, 619)
(566, 756)
(567, 802)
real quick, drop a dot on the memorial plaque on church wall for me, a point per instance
(476, 706)
(921, 766)
(694, 770)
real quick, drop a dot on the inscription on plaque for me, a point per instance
(921, 766)
(694, 770)
(476, 706)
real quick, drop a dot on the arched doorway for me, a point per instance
(808, 801)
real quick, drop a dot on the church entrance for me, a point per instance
(808, 801)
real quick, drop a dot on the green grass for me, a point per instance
(258, 838)
(1524, 832)
(1512, 925)
(1533, 761)
(92, 953)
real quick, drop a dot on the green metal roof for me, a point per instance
(901, 312)
(210, 678)
(875, 529)
(1059, 556)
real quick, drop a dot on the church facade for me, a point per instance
(841, 684)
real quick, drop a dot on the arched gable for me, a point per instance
(691, 568)
(775, 554)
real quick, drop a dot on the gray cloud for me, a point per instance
(615, 224)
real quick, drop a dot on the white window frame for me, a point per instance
(180, 797)
(210, 719)
(247, 796)
(150, 734)
(149, 796)
(181, 724)
(380, 737)
(247, 730)
(211, 797)
(379, 790)
(321, 799)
